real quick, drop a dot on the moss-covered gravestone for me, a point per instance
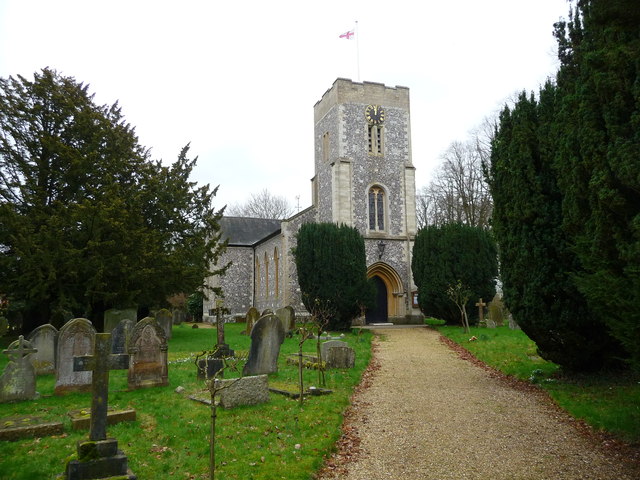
(99, 457)
(18, 381)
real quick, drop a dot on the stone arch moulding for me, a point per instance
(395, 290)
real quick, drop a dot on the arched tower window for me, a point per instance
(276, 268)
(376, 209)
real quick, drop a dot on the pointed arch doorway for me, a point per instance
(388, 294)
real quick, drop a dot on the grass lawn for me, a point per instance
(607, 401)
(170, 439)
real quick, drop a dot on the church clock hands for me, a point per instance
(374, 114)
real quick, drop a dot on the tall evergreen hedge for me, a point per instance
(444, 255)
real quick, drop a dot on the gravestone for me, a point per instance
(20, 426)
(99, 458)
(513, 325)
(252, 317)
(325, 346)
(287, 317)
(179, 316)
(243, 391)
(266, 337)
(114, 316)
(147, 355)
(337, 354)
(480, 304)
(44, 340)
(340, 357)
(165, 319)
(120, 336)
(266, 311)
(75, 338)
(18, 381)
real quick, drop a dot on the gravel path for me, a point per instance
(425, 413)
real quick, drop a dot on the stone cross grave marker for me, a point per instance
(18, 382)
(100, 363)
(480, 304)
(44, 339)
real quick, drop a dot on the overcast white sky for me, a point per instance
(238, 79)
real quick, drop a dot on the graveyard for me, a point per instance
(156, 414)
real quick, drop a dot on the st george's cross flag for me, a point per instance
(348, 34)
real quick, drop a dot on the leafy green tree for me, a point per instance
(450, 254)
(332, 272)
(87, 221)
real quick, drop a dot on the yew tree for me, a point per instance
(87, 220)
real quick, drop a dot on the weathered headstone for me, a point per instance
(266, 337)
(99, 457)
(513, 325)
(114, 316)
(120, 336)
(266, 311)
(179, 316)
(337, 354)
(497, 310)
(340, 357)
(252, 317)
(147, 355)
(165, 319)
(75, 339)
(44, 340)
(287, 317)
(18, 381)
(251, 390)
(325, 346)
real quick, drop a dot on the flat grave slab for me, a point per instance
(16, 427)
(81, 419)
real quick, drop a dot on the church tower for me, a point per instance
(365, 178)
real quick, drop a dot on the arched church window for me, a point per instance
(376, 208)
(266, 275)
(257, 277)
(276, 268)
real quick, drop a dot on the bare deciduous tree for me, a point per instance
(262, 205)
(458, 193)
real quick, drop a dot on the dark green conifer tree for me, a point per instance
(446, 254)
(332, 272)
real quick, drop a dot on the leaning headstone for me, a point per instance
(74, 339)
(114, 316)
(340, 357)
(252, 317)
(165, 319)
(18, 381)
(285, 316)
(266, 337)
(99, 458)
(147, 355)
(44, 340)
(179, 316)
(120, 336)
(251, 390)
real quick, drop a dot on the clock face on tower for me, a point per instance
(374, 114)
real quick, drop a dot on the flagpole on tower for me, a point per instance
(358, 50)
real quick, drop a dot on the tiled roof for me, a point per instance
(248, 231)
